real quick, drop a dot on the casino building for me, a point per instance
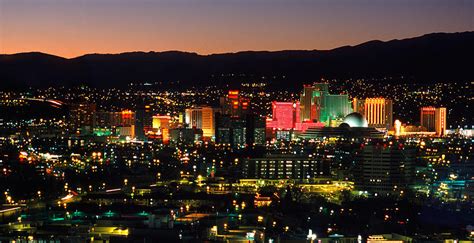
(354, 125)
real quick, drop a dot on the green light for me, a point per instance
(109, 214)
(78, 214)
(143, 213)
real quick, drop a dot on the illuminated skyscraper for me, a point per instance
(318, 105)
(110, 119)
(427, 118)
(285, 115)
(128, 118)
(234, 104)
(434, 119)
(160, 122)
(377, 111)
(202, 118)
(311, 101)
(161, 125)
(335, 107)
(440, 121)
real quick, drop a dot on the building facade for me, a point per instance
(377, 111)
(284, 166)
(202, 118)
(434, 119)
(234, 104)
(317, 105)
(385, 169)
(285, 115)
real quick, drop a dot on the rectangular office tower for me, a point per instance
(202, 118)
(434, 119)
(377, 111)
(385, 169)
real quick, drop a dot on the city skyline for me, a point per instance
(74, 28)
(314, 121)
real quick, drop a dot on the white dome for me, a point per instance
(355, 119)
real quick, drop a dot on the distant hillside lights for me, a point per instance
(316, 114)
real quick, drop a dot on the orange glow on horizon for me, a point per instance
(74, 28)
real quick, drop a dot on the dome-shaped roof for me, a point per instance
(355, 119)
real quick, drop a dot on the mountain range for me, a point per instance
(437, 57)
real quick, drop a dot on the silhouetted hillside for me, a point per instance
(433, 57)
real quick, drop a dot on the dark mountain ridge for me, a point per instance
(434, 57)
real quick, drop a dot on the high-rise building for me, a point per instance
(385, 169)
(122, 122)
(161, 126)
(128, 118)
(377, 111)
(202, 118)
(223, 128)
(110, 119)
(238, 132)
(234, 104)
(317, 105)
(311, 101)
(82, 117)
(434, 119)
(143, 120)
(127, 131)
(440, 121)
(255, 128)
(161, 122)
(335, 107)
(427, 118)
(184, 135)
(285, 115)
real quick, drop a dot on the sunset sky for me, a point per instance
(71, 28)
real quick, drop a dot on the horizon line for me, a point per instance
(232, 52)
